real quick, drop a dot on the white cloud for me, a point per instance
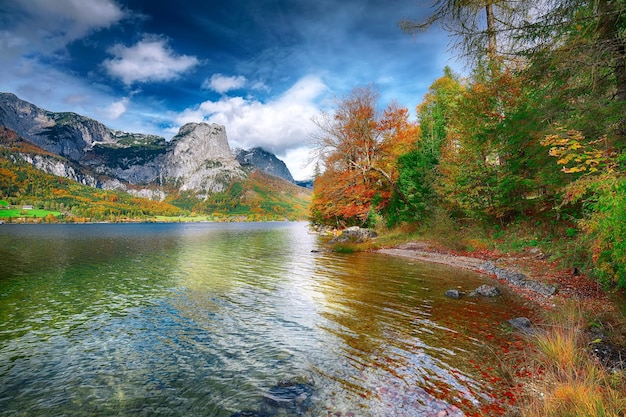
(298, 161)
(260, 86)
(282, 126)
(150, 59)
(116, 109)
(222, 83)
(45, 26)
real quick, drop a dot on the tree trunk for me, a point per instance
(491, 32)
(393, 185)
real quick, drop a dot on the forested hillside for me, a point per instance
(257, 197)
(533, 138)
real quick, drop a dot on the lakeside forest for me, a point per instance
(530, 144)
(524, 155)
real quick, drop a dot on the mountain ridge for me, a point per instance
(198, 159)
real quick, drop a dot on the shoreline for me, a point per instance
(529, 274)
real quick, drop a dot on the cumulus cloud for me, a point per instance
(223, 84)
(282, 125)
(150, 59)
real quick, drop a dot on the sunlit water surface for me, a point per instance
(207, 319)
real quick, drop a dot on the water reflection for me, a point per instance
(207, 319)
(401, 341)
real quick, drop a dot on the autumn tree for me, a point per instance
(359, 146)
(418, 169)
(578, 63)
(493, 164)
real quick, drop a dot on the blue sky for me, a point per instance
(262, 68)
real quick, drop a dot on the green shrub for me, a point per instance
(606, 231)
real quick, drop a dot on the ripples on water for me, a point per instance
(204, 319)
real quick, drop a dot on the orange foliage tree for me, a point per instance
(359, 147)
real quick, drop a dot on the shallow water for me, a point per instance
(207, 319)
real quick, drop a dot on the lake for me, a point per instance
(245, 319)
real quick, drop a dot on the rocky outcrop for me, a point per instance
(67, 134)
(265, 161)
(354, 234)
(519, 280)
(58, 167)
(199, 158)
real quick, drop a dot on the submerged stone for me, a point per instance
(456, 294)
(486, 291)
(292, 396)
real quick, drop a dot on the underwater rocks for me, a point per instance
(483, 290)
(248, 413)
(289, 395)
(286, 396)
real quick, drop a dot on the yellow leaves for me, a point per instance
(577, 154)
(574, 169)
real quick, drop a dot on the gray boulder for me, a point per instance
(354, 234)
(522, 324)
(456, 294)
(486, 291)
(519, 280)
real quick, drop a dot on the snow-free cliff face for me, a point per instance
(265, 161)
(199, 158)
(65, 134)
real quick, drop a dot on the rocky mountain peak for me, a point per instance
(265, 161)
(199, 158)
(203, 139)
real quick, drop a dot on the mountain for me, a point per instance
(306, 183)
(197, 160)
(265, 161)
(25, 180)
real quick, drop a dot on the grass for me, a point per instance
(35, 213)
(568, 381)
